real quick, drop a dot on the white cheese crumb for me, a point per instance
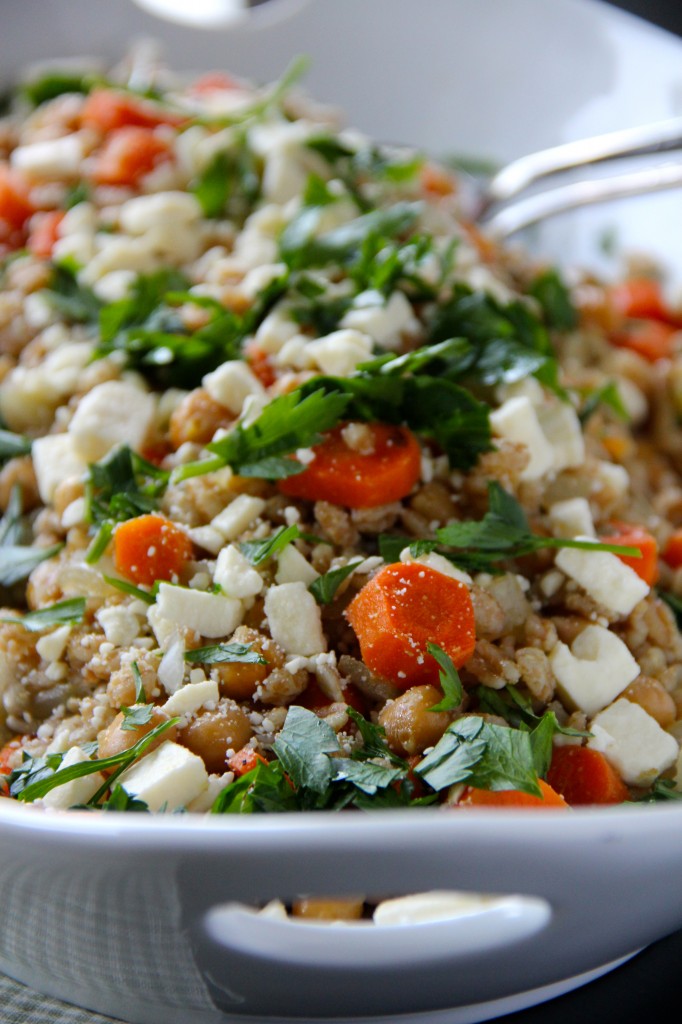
(235, 574)
(293, 567)
(77, 791)
(231, 384)
(239, 515)
(340, 352)
(169, 777)
(191, 697)
(294, 619)
(51, 646)
(55, 460)
(211, 615)
(98, 425)
(517, 421)
(633, 742)
(572, 518)
(596, 668)
(606, 578)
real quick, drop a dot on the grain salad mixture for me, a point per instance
(313, 497)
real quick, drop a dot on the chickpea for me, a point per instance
(239, 680)
(410, 726)
(654, 698)
(115, 739)
(197, 418)
(212, 733)
(329, 908)
(122, 685)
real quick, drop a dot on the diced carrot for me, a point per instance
(651, 339)
(149, 548)
(641, 298)
(156, 453)
(401, 610)
(619, 446)
(128, 154)
(436, 180)
(343, 476)
(550, 799)
(44, 233)
(105, 110)
(486, 248)
(213, 81)
(672, 553)
(15, 208)
(260, 363)
(584, 776)
(245, 760)
(633, 536)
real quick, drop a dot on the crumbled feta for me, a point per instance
(596, 668)
(293, 567)
(340, 352)
(189, 698)
(52, 645)
(572, 518)
(294, 619)
(235, 574)
(120, 626)
(432, 560)
(55, 460)
(386, 321)
(275, 330)
(633, 741)
(51, 159)
(517, 420)
(98, 425)
(607, 579)
(77, 791)
(211, 615)
(169, 777)
(231, 383)
(239, 515)
(561, 427)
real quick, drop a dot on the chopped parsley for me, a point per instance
(324, 587)
(451, 684)
(222, 654)
(63, 613)
(135, 716)
(13, 446)
(259, 552)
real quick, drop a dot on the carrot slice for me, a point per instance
(245, 760)
(127, 155)
(550, 799)
(343, 476)
(641, 298)
(44, 233)
(213, 81)
(651, 339)
(630, 535)
(15, 209)
(401, 610)
(584, 776)
(149, 548)
(672, 553)
(105, 110)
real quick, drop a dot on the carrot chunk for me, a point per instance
(672, 553)
(149, 548)
(651, 339)
(550, 799)
(127, 155)
(633, 536)
(15, 209)
(245, 760)
(641, 298)
(105, 110)
(584, 776)
(385, 470)
(44, 233)
(401, 610)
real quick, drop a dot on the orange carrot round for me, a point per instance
(385, 471)
(641, 298)
(150, 548)
(44, 233)
(672, 552)
(401, 610)
(651, 339)
(584, 776)
(633, 536)
(105, 110)
(127, 155)
(550, 799)
(15, 209)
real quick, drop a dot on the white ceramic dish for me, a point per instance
(128, 915)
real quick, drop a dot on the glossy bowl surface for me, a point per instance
(134, 917)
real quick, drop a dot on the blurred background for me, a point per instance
(667, 13)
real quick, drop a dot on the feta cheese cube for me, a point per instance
(169, 777)
(145, 213)
(231, 383)
(52, 645)
(292, 567)
(191, 697)
(276, 329)
(55, 460)
(635, 744)
(432, 560)
(115, 412)
(235, 574)
(517, 421)
(294, 619)
(561, 427)
(211, 615)
(120, 626)
(607, 579)
(340, 352)
(596, 668)
(77, 791)
(239, 515)
(572, 518)
(51, 159)
(384, 320)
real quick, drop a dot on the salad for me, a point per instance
(314, 498)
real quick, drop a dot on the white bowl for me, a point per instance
(133, 916)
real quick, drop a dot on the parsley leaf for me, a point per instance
(367, 776)
(291, 421)
(230, 184)
(121, 800)
(13, 445)
(608, 395)
(135, 716)
(555, 300)
(220, 654)
(140, 694)
(17, 561)
(129, 588)
(483, 755)
(324, 587)
(302, 747)
(450, 682)
(260, 551)
(62, 613)
(55, 83)
(74, 302)
(264, 789)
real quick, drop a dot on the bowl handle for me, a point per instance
(473, 926)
